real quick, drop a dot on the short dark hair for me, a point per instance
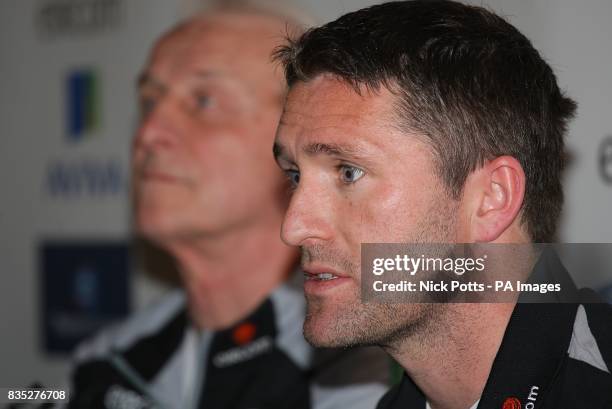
(466, 79)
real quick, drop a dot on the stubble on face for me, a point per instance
(349, 322)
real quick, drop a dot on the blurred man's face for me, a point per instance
(210, 103)
(357, 178)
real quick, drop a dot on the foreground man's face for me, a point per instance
(210, 104)
(357, 178)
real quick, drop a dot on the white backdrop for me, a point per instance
(573, 36)
(34, 138)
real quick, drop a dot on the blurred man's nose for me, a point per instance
(158, 128)
(308, 217)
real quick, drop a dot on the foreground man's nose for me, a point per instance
(307, 218)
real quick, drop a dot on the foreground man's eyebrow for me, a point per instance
(327, 149)
(318, 148)
(334, 149)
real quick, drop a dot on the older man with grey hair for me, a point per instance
(206, 190)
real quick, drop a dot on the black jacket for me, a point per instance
(158, 360)
(552, 356)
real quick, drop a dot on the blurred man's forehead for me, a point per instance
(234, 30)
(234, 43)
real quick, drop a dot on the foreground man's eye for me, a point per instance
(350, 174)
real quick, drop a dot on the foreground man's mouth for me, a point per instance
(319, 280)
(320, 276)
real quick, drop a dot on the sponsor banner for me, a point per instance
(85, 177)
(81, 173)
(85, 286)
(481, 272)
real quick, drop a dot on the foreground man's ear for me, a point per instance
(493, 196)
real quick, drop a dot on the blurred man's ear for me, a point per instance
(493, 196)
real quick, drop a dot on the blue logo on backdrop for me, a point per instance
(82, 103)
(84, 287)
(87, 176)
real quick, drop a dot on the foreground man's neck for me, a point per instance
(451, 362)
(226, 277)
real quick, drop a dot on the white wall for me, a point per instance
(574, 37)
(32, 73)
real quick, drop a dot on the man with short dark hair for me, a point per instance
(207, 191)
(435, 122)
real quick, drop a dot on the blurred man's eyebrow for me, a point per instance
(208, 74)
(146, 79)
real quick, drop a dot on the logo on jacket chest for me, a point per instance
(243, 353)
(515, 403)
